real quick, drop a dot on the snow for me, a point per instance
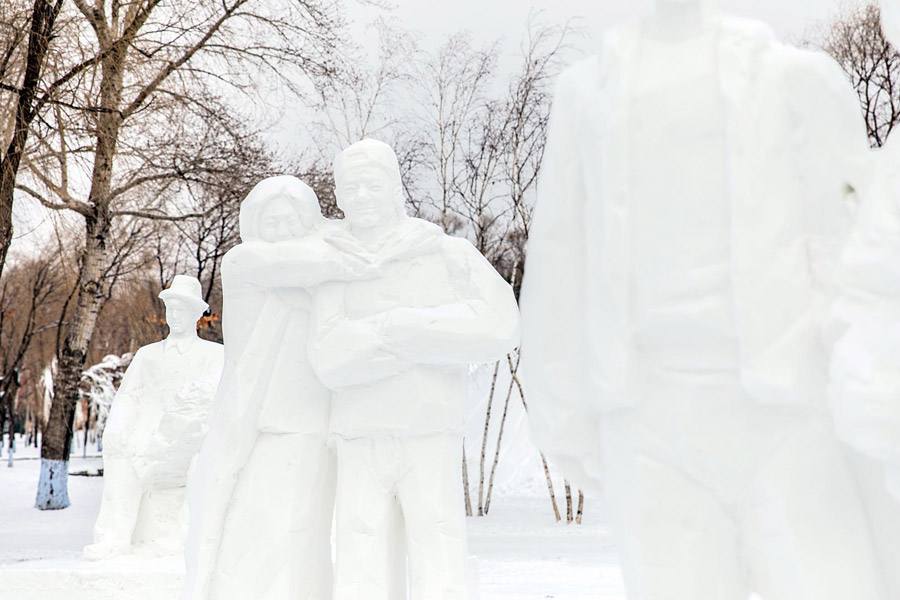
(522, 553)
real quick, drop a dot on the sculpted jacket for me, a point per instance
(796, 152)
(396, 348)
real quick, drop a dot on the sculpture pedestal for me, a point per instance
(125, 578)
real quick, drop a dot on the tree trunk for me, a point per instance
(550, 488)
(87, 422)
(56, 443)
(569, 514)
(465, 476)
(43, 17)
(490, 489)
(12, 390)
(580, 511)
(484, 439)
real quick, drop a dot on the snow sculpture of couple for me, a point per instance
(346, 352)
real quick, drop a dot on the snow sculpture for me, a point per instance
(696, 189)
(395, 349)
(154, 430)
(267, 444)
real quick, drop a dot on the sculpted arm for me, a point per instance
(481, 326)
(295, 263)
(554, 290)
(345, 351)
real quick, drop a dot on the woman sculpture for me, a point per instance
(262, 496)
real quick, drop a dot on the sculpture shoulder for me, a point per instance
(801, 67)
(213, 349)
(587, 72)
(461, 255)
(148, 351)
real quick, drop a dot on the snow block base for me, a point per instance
(125, 578)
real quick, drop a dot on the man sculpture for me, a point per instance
(155, 428)
(697, 185)
(395, 349)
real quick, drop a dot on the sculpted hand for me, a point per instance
(355, 261)
(398, 328)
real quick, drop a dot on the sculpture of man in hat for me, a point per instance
(696, 189)
(395, 349)
(155, 428)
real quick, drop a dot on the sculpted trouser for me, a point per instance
(714, 496)
(421, 474)
(129, 515)
(276, 540)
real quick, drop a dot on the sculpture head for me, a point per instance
(890, 21)
(278, 209)
(368, 187)
(676, 19)
(184, 305)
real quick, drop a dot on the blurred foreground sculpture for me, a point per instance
(697, 187)
(154, 431)
(395, 349)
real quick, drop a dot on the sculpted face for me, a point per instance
(279, 221)
(368, 197)
(181, 317)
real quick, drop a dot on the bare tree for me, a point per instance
(156, 68)
(855, 39)
(26, 294)
(456, 82)
(24, 84)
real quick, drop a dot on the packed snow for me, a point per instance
(522, 553)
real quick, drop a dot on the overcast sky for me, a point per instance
(488, 19)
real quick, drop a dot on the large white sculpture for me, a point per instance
(154, 431)
(697, 186)
(261, 503)
(395, 349)
(865, 328)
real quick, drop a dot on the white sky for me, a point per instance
(487, 19)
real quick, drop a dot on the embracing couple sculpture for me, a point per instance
(346, 352)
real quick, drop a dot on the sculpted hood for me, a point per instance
(301, 196)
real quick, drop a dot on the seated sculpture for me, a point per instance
(155, 429)
(395, 350)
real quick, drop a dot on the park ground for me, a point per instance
(523, 554)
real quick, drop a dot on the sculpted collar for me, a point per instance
(180, 345)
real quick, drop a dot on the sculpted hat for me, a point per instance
(187, 288)
(365, 153)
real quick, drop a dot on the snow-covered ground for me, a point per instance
(523, 554)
